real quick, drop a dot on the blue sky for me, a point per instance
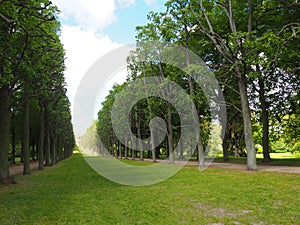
(123, 29)
(92, 28)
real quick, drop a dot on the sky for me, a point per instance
(92, 28)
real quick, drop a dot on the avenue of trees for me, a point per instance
(251, 47)
(35, 118)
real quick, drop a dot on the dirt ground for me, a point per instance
(240, 166)
(18, 168)
(269, 168)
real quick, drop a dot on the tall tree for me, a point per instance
(230, 46)
(29, 33)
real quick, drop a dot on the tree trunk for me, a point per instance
(47, 149)
(265, 121)
(200, 152)
(132, 148)
(25, 142)
(126, 148)
(137, 123)
(170, 136)
(33, 150)
(251, 155)
(66, 154)
(4, 132)
(225, 146)
(191, 148)
(47, 139)
(181, 156)
(60, 148)
(157, 149)
(236, 145)
(55, 156)
(120, 149)
(200, 147)
(153, 146)
(13, 140)
(152, 139)
(113, 148)
(41, 137)
(53, 146)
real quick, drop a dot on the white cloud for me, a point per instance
(149, 2)
(91, 15)
(83, 48)
(126, 3)
(83, 21)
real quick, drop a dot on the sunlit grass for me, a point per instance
(72, 193)
(286, 155)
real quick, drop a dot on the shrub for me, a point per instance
(279, 147)
(258, 148)
(296, 149)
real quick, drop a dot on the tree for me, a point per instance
(90, 140)
(229, 43)
(32, 64)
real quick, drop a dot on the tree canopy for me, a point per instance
(250, 48)
(35, 116)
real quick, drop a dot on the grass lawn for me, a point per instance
(72, 193)
(278, 159)
(285, 155)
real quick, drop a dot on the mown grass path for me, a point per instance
(279, 165)
(72, 193)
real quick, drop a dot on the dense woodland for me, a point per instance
(35, 118)
(252, 49)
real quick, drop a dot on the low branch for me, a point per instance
(215, 38)
(5, 18)
(294, 70)
(286, 26)
(232, 105)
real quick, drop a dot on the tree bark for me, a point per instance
(200, 147)
(120, 149)
(181, 156)
(225, 146)
(265, 121)
(153, 151)
(251, 154)
(13, 140)
(236, 145)
(47, 139)
(56, 150)
(132, 148)
(126, 147)
(233, 58)
(60, 148)
(137, 123)
(152, 138)
(53, 146)
(41, 137)
(25, 142)
(170, 136)
(47, 149)
(4, 132)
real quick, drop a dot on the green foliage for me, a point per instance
(90, 140)
(32, 68)
(296, 149)
(279, 146)
(259, 149)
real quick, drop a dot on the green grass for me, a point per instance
(286, 155)
(278, 159)
(72, 193)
